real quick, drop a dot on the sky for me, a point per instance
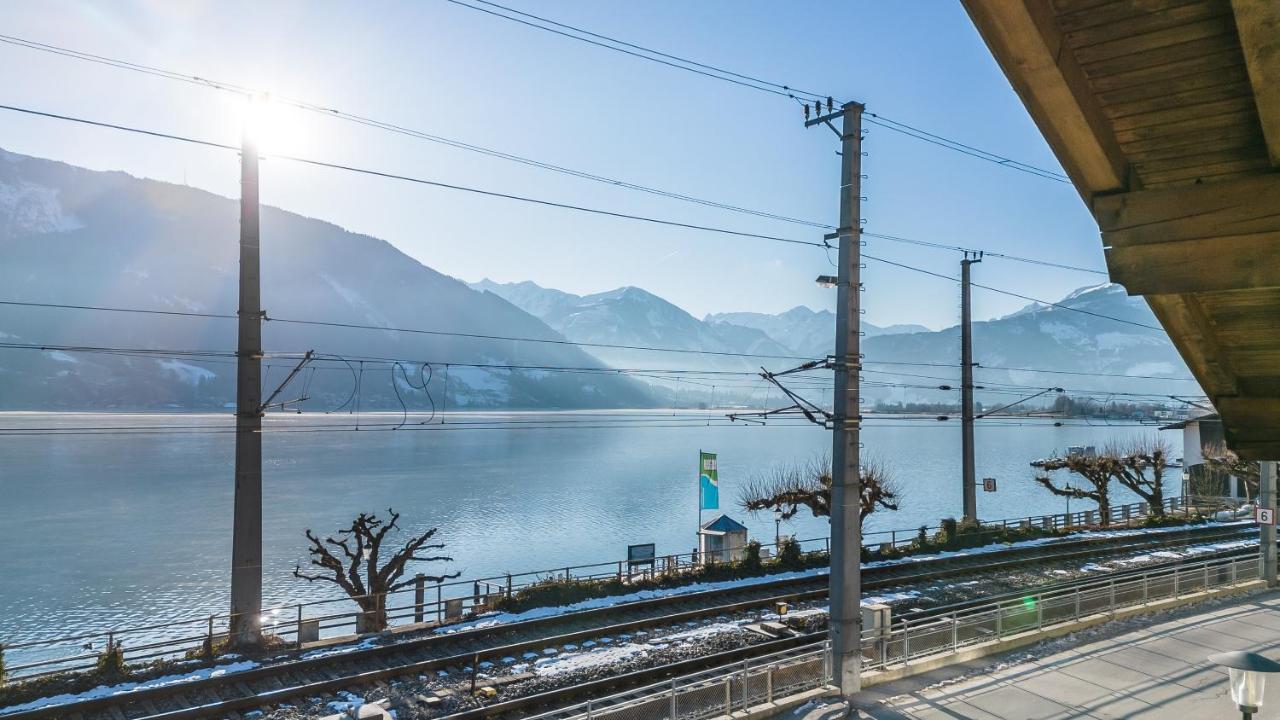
(444, 69)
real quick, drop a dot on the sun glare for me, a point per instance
(261, 121)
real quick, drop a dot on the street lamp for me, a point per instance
(1247, 672)
(827, 281)
(777, 530)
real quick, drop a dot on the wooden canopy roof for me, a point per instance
(1166, 116)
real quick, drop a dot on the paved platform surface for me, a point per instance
(1145, 667)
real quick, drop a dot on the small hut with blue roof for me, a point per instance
(722, 540)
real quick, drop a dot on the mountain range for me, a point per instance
(71, 235)
(75, 236)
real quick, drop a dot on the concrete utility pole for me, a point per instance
(246, 546)
(966, 387)
(846, 485)
(1267, 499)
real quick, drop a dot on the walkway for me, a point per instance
(1155, 670)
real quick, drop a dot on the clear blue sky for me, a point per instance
(451, 71)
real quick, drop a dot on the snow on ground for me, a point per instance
(124, 688)
(503, 618)
(340, 649)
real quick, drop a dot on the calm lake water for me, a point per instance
(105, 531)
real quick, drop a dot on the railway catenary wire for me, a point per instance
(273, 683)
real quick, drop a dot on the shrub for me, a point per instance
(948, 534)
(789, 554)
(751, 557)
(111, 661)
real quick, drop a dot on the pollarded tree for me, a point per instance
(352, 561)
(1140, 466)
(1096, 470)
(792, 486)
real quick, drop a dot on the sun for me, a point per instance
(262, 121)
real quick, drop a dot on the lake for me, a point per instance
(116, 530)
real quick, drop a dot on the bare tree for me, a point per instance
(352, 560)
(1097, 470)
(1130, 465)
(1220, 462)
(789, 487)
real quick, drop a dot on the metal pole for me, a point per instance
(966, 389)
(1267, 499)
(419, 596)
(846, 557)
(246, 545)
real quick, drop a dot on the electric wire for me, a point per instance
(421, 181)
(747, 81)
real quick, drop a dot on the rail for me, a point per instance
(722, 691)
(427, 604)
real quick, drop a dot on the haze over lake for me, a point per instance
(115, 530)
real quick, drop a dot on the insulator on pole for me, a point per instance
(806, 111)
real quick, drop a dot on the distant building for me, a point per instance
(1197, 432)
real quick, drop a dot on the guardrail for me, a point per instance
(447, 602)
(725, 690)
(711, 693)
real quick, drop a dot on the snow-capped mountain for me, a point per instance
(638, 318)
(71, 235)
(810, 332)
(1120, 337)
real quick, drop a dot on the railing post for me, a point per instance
(439, 605)
(728, 695)
(589, 709)
(1145, 592)
(673, 699)
(768, 686)
(1077, 614)
(906, 641)
(1111, 605)
(1039, 612)
(419, 597)
(1176, 575)
(955, 633)
(1206, 577)
(299, 626)
(999, 621)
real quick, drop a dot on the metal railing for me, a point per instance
(721, 691)
(711, 693)
(442, 603)
(906, 641)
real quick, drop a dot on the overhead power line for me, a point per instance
(1010, 293)
(399, 129)
(471, 147)
(417, 331)
(743, 80)
(985, 252)
(417, 180)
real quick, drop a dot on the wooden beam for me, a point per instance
(1257, 450)
(1195, 338)
(1258, 23)
(1241, 207)
(1194, 266)
(1196, 238)
(1025, 40)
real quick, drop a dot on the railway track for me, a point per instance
(270, 684)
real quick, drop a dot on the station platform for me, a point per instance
(1144, 667)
